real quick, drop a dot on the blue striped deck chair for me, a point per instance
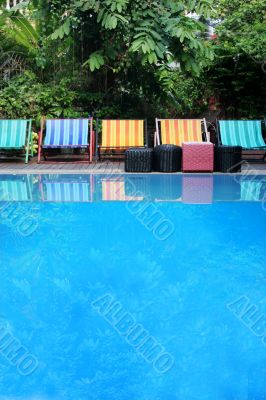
(247, 134)
(15, 188)
(67, 191)
(66, 134)
(16, 138)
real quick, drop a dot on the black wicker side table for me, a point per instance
(228, 158)
(138, 160)
(167, 158)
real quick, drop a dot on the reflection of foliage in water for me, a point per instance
(178, 290)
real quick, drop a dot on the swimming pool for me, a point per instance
(146, 287)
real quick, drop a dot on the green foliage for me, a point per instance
(20, 28)
(156, 32)
(138, 58)
(182, 94)
(238, 73)
(243, 27)
(95, 61)
(26, 97)
(63, 30)
(34, 146)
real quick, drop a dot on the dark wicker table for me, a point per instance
(167, 158)
(226, 188)
(227, 158)
(138, 160)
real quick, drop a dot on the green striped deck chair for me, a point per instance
(15, 189)
(66, 134)
(251, 190)
(247, 134)
(16, 137)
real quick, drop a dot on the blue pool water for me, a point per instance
(137, 287)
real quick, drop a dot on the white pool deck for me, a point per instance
(104, 167)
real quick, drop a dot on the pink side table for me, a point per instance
(197, 189)
(198, 157)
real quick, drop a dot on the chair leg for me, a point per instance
(44, 155)
(27, 155)
(39, 154)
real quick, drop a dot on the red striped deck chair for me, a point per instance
(178, 131)
(59, 134)
(120, 135)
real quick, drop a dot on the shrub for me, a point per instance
(26, 97)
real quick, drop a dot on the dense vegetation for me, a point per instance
(132, 58)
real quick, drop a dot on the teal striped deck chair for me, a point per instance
(16, 138)
(15, 189)
(66, 134)
(251, 190)
(247, 134)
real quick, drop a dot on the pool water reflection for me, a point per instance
(197, 289)
(194, 189)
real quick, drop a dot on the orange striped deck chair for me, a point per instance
(178, 131)
(114, 190)
(121, 134)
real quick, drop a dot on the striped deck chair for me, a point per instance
(251, 190)
(15, 189)
(247, 134)
(178, 131)
(16, 138)
(66, 191)
(114, 190)
(66, 134)
(120, 135)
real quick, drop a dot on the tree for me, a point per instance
(238, 72)
(142, 57)
(123, 32)
(243, 27)
(117, 53)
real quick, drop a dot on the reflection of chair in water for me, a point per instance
(251, 190)
(167, 188)
(64, 189)
(138, 185)
(114, 190)
(154, 187)
(197, 189)
(16, 188)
